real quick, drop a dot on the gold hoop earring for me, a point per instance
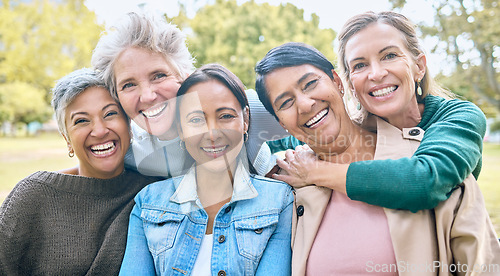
(245, 137)
(71, 153)
(182, 145)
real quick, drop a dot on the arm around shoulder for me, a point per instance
(449, 151)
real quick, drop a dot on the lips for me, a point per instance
(154, 111)
(215, 151)
(384, 91)
(317, 118)
(103, 149)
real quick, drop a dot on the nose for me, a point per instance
(100, 129)
(304, 104)
(377, 72)
(148, 93)
(214, 132)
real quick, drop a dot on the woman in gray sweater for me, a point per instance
(75, 224)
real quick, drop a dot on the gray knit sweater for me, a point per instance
(58, 224)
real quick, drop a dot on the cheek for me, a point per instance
(128, 102)
(169, 89)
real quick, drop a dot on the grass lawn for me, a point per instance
(22, 156)
(489, 181)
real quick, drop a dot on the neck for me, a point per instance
(358, 145)
(214, 187)
(412, 115)
(169, 135)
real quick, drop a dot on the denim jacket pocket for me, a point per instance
(252, 234)
(160, 228)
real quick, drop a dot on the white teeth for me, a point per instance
(317, 118)
(383, 91)
(215, 150)
(103, 148)
(152, 112)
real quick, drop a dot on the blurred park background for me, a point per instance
(42, 40)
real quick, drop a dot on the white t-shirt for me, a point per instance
(203, 260)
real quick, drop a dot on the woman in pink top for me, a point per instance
(335, 235)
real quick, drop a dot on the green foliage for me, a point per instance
(23, 103)
(495, 126)
(469, 33)
(238, 36)
(41, 41)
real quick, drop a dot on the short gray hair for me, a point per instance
(144, 31)
(68, 88)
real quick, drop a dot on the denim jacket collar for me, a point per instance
(242, 187)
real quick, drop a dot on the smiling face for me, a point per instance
(98, 132)
(383, 72)
(212, 125)
(308, 103)
(147, 86)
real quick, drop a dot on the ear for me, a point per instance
(246, 118)
(338, 82)
(283, 126)
(421, 64)
(68, 143)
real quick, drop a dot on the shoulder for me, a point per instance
(158, 193)
(35, 182)
(271, 189)
(438, 109)
(453, 105)
(136, 177)
(26, 197)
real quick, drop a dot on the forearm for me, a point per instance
(450, 150)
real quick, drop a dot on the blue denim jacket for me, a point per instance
(251, 233)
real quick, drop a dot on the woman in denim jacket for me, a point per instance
(217, 219)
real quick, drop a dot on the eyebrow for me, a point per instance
(218, 110)
(226, 108)
(301, 79)
(195, 112)
(86, 113)
(384, 49)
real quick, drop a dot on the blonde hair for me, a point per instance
(359, 22)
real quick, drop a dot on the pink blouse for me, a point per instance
(353, 239)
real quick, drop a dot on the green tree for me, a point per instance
(238, 36)
(22, 103)
(42, 40)
(469, 32)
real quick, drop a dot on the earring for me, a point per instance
(71, 153)
(419, 88)
(286, 130)
(358, 106)
(245, 137)
(182, 145)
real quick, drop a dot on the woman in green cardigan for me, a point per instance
(393, 83)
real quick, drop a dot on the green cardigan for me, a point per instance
(450, 150)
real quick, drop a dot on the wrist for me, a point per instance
(330, 175)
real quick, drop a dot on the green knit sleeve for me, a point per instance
(450, 150)
(289, 142)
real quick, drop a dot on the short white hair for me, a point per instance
(147, 31)
(68, 88)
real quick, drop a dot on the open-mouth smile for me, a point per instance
(103, 149)
(314, 121)
(154, 111)
(383, 92)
